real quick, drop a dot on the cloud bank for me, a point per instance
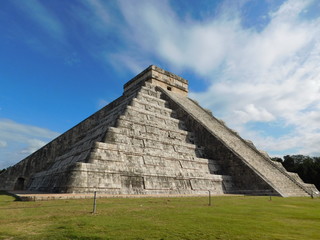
(269, 76)
(18, 140)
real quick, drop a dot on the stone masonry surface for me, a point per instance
(152, 140)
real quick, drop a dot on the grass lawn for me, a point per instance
(229, 217)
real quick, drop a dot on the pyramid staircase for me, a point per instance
(258, 163)
(147, 151)
(153, 140)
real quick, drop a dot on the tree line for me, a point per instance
(308, 168)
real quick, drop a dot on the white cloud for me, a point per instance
(33, 145)
(102, 103)
(42, 16)
(3, 144)
(134, 64)
(101, 12)
(271, 75)
(266, 76)
(277, 70)
(18, 140)
(252, 113)
(13, 130)
(290, 9)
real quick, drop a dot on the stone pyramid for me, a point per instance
(153, 140)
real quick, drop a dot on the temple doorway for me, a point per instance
(19, 185)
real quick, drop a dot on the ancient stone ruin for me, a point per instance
(152, 140)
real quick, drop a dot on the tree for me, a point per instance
(277, 159)
(308, 168)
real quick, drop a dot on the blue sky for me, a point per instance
(254, 63)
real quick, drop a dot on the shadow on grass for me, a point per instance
(5, 193)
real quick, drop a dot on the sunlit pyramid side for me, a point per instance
(153, 140)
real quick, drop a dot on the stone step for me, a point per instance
(150, 118)
(150, 91)
(92, 136)
(139, 165)
(152, 144)
(108, 113)
(153, 162)
(148, 134)
(116, 149)
(149, 85)
(155, 109)
(147, 184)
(145, 170)
(151, 99)
(66, 159)
(284, 181)
(169, 125)
(133, 128)
(98, 131)
(98, 128)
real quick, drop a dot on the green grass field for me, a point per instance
(235, 217)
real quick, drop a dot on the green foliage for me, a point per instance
(307, 167)
(277, 159)
(230, 217)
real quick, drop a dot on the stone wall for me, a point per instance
(159, 77)
(149, 151)
(70, 147)
(243, 152)
(152, 140)
(245, 180)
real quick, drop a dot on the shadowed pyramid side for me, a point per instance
(251, 169)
